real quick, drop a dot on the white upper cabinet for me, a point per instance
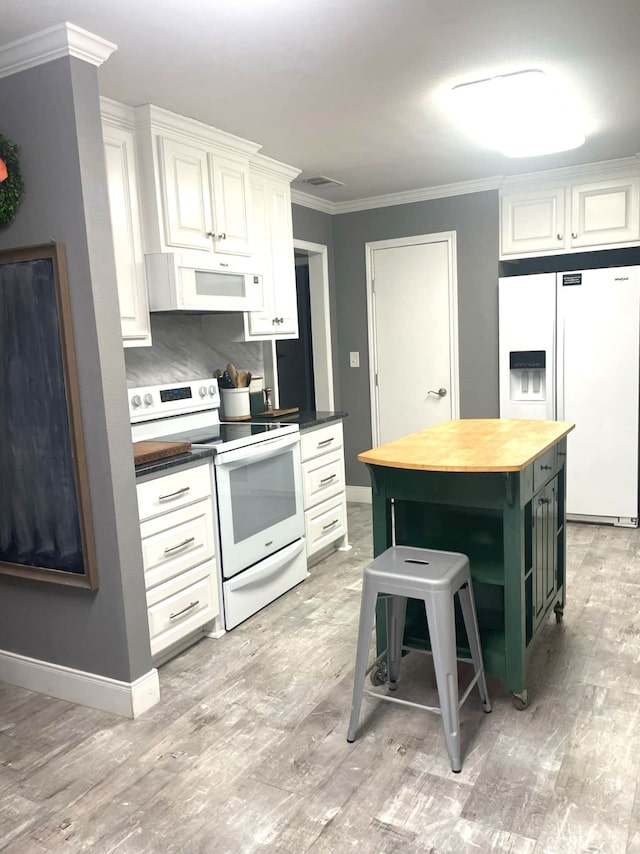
(271, 197)
(196, 188)
(570, 217)
(122, 188)
(184, 176)
(605, 212)
(532, 222)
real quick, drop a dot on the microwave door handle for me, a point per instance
(260, 451)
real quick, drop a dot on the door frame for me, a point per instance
(318, 257)
(449, 237)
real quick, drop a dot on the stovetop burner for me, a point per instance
(188, 412)
(222, 434)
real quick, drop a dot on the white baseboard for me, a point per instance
(361, 494)
(129, 699)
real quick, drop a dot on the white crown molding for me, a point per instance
(115, 113)
(53, 43)
(565, 173)
(157, 119)
(405, 197)
(313, 202)
(273, 168)
(128, 699)
(424, 194)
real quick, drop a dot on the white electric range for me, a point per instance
(258, 487)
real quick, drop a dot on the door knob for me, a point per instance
(441, 392)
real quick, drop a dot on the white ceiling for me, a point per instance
(354, 89)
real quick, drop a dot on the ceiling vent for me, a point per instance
(322, 181)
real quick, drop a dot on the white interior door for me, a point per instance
(412, 334)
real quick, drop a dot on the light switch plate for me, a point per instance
(354, 359)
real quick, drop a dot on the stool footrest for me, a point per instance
(371, 693)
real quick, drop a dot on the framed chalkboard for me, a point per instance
(46, 529)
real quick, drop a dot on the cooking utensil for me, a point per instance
(242, 379)
(233, 374)
(224, 381)
(248, 383)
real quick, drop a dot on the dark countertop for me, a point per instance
(171, 462)
(305, 419)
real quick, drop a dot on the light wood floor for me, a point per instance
(247, 753)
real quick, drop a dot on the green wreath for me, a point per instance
(11, 186)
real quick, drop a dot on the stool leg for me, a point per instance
(442, 632)
(467, 605)
(396, 610)
(367, 613)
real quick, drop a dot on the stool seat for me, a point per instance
(435, 576)
(419, 570)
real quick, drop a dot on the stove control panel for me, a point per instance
(147, 402)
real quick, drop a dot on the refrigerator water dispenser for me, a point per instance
(527, 381)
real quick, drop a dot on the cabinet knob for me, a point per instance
(559, 236)
(574, 234)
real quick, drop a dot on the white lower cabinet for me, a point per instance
(323, 487)
(177, 528)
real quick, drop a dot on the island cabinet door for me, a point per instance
(545, 550)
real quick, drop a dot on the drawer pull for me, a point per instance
(330, 525)
(544, 501)
(325, 442)
(181, 545)
(327, 479)
(189, 607)
(545, 468)
(175, 494)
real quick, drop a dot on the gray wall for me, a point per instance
(52, 113)
(474, 218)
(317, 227)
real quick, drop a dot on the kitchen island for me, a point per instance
(494, 489)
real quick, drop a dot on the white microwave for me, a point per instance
(189, 281)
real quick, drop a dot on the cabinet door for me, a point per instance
(605, 212)
(283, 263)
(532, 222)
(184, 177)
(545, 548)
(231, 191)
(119, 149)
(274, 249)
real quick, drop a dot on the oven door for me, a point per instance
(260, 510)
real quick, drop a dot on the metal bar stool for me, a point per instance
(403, 572)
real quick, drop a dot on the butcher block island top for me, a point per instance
(471, 445)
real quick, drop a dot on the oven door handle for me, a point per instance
(259, 451)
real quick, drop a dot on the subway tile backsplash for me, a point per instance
(186, 347)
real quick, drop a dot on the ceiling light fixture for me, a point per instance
(523, 114)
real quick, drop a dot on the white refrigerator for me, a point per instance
(570, 351)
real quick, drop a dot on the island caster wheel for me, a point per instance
(378, 676)
(559, 612)
(520, 699)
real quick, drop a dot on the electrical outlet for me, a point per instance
(354, 359)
